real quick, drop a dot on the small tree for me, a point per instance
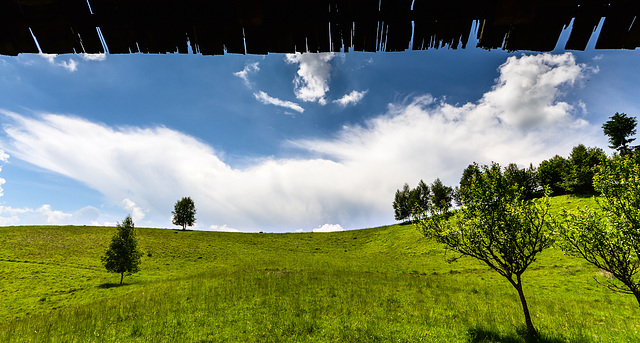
(609, 238)
(494, 225)
(618, 128)
(184, 213)
(441, 195)
(123, 255)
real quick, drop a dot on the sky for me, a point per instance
(285, 143)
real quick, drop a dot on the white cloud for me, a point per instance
(353, 176)
(223, 228)
(70, 65)
(268, 100)
(352, 98)
(52, 217)
(4, 157)
(94, 57)
(137, 213)
(244, 74)
(312, 80)
(9, 221)
(328, 228)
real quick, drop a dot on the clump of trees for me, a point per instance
(184, 213)
(407, 199)
(609, 236)
(123, 254)
(495, 224)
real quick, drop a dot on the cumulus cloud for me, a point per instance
(328, 228)
(244, 73)
(312, 80)
(351, 177)
(137, 213)
(70, 65)
(223, 228)
(269, 100)
(351, 99)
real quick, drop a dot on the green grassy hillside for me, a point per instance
(383, 284)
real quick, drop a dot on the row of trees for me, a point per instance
(501, 224)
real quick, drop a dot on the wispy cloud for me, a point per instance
(269, 100)
(312, 80)
(351, 178)
(351, 99)
(248, 69)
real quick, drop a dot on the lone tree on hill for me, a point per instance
(610, 238)
(494, 224)
(123, 255)
(184, 213)
(618, 128)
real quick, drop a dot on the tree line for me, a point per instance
(570, 175)
(505, 222)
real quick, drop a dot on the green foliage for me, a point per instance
(618, 128)
(609, 237)
(578, 179)
(184, 213)
(441, 196)
(551, 173)
(401, 203)
(495, 225)
(525, 178)
(123, 255)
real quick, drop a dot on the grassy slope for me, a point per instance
(382, 284)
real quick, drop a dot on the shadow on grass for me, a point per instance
(477, 335)
(108, 285)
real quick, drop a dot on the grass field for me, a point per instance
(384, 284)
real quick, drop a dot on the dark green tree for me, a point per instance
(123, 255)
(551, 173)
(420, 196)
(525, 178)
(441, 195)
(495, 225)
(618, 128)
(184, 213)
(609, 236)
(401, 206)
(579, 177)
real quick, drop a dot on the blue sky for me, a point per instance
(284, 143)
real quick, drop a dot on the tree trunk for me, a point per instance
(121, 277)
(527, 317)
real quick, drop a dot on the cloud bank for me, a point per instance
(349, 179)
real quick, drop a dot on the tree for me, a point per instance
(123, 255)
(494, 225)
(525, 178)
(551, 172)
(609, 237)
(618, 128)
(401, 207)
(441, 195)
(184, 213)
(579, 176)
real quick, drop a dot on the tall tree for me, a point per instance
(494, 225)
(618, 128)
(184, 213)
(123, 255)
(609, 237)
(579, 177)
(441, 195)
(401, 207)
(550, 173)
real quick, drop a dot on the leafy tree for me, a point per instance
(525, 178)
(123, 255)
(618, 128)
(401, 207)
(551, 172)
(441, 195)
(184, 213)
(494, 225)
(420, 196)
(579, 176)
(609, 237)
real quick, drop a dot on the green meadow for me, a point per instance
(386, 284)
